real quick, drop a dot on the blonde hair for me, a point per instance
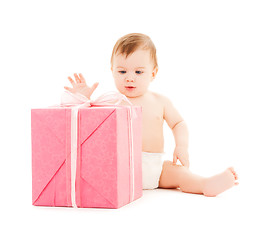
(132, 42)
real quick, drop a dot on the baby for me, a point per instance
(134, 66)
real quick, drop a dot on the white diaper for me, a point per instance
(151, 169)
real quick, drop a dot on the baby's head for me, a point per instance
(134, 64)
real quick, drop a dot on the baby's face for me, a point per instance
(133, 74)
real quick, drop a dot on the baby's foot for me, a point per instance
(220, 182)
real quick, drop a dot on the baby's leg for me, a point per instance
(220, 182)
(175, 176)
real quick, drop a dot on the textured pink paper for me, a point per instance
(103, 166)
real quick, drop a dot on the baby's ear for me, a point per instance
(112, 70)
(154, 72)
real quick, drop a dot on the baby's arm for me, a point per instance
(179, 130)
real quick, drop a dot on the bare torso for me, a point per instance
(152, 111)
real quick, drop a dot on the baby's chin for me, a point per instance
(132, 94)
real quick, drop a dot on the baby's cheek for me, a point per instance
(144, 85)
(142, 89)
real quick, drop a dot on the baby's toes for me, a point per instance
(236, 176)
(231, 169)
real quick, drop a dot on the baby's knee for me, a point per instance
(169, 166)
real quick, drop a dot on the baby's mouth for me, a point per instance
(130, 88)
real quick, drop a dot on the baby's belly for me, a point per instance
(153, 143)
(152, 132)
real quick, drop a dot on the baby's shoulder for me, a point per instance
(164, 100)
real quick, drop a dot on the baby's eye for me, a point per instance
(139, 72)
(122, 72)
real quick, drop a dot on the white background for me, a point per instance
(211, 59)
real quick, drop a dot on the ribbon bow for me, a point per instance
(77, 99)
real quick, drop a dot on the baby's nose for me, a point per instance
(130, 80)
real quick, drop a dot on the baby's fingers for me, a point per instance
(174, 160)
(71, 81)
(69, 89)
(82, 79)
(185, 163)
(77, 79)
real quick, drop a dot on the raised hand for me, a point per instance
(80, 86)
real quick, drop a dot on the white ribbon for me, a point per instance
(131, 157)
(74, 154)
(77, 101)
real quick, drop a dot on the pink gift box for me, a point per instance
(105, 175)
